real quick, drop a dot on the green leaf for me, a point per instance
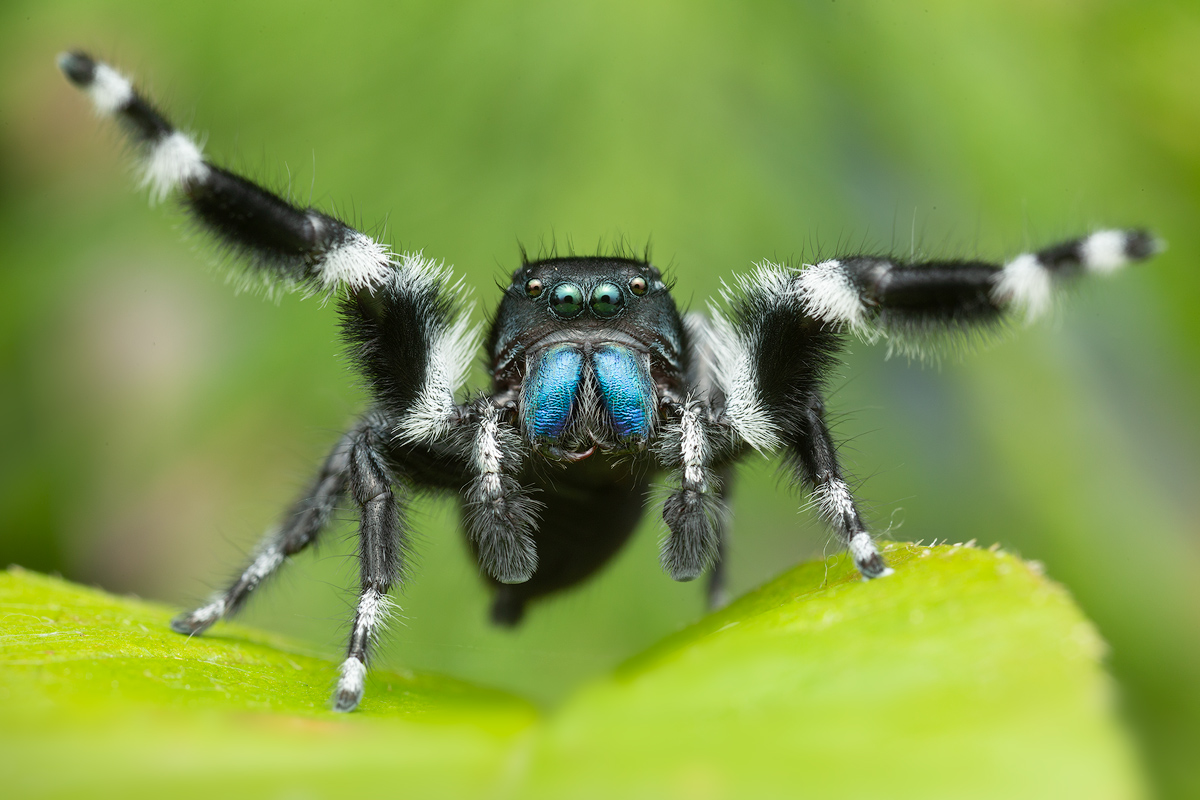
(967, 673)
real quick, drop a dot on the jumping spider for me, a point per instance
(598, 383)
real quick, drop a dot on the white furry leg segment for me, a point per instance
(1026, 286)
(500, 516)
(109, 90)
(734, 344)
(1107, 251)
(427, 291)
(866, 557)
(828, 292)
(693, 511)
(201, 619)
(351, 684)
(374, 609)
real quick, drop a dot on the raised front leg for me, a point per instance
(913, 304)
(773, 350)
(285, 246)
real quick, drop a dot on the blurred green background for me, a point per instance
(154, 422)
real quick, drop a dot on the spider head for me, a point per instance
(588, 287)
(587, 326)
(583, 299)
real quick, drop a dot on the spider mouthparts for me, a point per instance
(573, 457)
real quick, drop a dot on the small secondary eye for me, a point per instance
(607, 300)
(533, 288)
(638, 286)
(566, 300)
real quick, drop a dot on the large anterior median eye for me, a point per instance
(607, 300)
(566, 300)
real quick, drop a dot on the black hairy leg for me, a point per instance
(300, 528)
(909, 302)
(283, 244)
(403, 316)
(382, 542)
(813, 453)
(773, 361)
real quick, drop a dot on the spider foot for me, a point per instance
(867, 558)
(196, 622)
(350, 686)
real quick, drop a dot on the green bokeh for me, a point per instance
(153, 421)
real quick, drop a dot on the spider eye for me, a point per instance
(638, 286)
(607, 300)
(566, 300)
(533, 288)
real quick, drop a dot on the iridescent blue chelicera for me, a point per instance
(626, 388)
(550, 392)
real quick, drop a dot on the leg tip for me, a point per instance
(511, 560)
(350, 686)
(866, 557)
(883, 573)
(685, 556)
(346, 701)
(718, 600)
(513, 576)
(508, 608)
(1141, 244)
(196, 622)
(79, 68)
(684, 572)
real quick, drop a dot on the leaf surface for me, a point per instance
(967, 673)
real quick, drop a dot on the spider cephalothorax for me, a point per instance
(588, 347)
(598, 384)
